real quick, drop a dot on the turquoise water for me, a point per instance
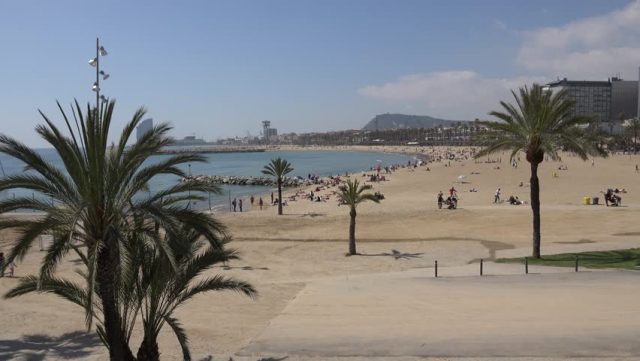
(321, 163)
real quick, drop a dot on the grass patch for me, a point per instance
(622, 258)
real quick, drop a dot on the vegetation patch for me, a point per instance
(622, 258)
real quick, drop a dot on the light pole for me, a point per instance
(95, 62)
(189, 189)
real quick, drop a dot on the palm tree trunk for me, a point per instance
(118, 347)
(535, 208)
(279, 196)
(148, 351)
(352, 232)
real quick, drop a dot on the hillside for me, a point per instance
(400, 121)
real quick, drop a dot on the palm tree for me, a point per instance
(91, 198)
(161, 293)
(539, 123)
(278, 168)
(353, 193)
(632, 127)
(147, 292)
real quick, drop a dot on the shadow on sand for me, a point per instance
(260, 359)
(72, 345)
(395, 254)
(244, 268)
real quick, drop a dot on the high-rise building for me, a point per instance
(592, 98)
(266, 130)
(605, 101)
(624, 99)
(144, 127)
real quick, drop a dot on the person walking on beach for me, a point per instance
(233, 203)
(1, 264)
(452, 191)
(240, 204)
(271, 197)
(251, 199)
(261, 203)
(496, 199)
(637, 171)
(12, 269)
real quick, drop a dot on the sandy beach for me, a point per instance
(316, 304)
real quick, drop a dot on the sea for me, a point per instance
(320, 163)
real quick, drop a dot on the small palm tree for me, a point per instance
(92, 197)
(278, 168)
(353, 193)
(147, 291)
(632, 128)
(539, 123)
(161, 293)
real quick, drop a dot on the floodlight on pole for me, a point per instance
(95, 62)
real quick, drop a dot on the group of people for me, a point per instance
(237, 203)
(611, 197)
(451, 201)
(515, 201)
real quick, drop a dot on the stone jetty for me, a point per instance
(251, 181)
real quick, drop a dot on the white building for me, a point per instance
(144, 127)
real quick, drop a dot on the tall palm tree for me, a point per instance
(278, 168)
(353, 193)
(91, 197)
(539, 123)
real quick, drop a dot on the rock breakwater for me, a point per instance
(250, 180)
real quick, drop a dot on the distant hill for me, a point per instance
(403, 121)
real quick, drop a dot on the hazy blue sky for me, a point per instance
(216, 69)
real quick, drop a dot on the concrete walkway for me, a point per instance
(413, 314)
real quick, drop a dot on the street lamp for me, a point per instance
(95, 62)
(189, 189)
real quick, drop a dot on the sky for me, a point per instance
(216, 69)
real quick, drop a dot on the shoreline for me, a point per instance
(395, 149)
(288, 191)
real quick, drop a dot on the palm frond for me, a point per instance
(539, 122)
(181, 335)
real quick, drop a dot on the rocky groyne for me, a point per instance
(250, 180)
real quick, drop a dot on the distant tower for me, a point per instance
(266, 126)
(143, 128)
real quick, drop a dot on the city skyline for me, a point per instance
(219, 69)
